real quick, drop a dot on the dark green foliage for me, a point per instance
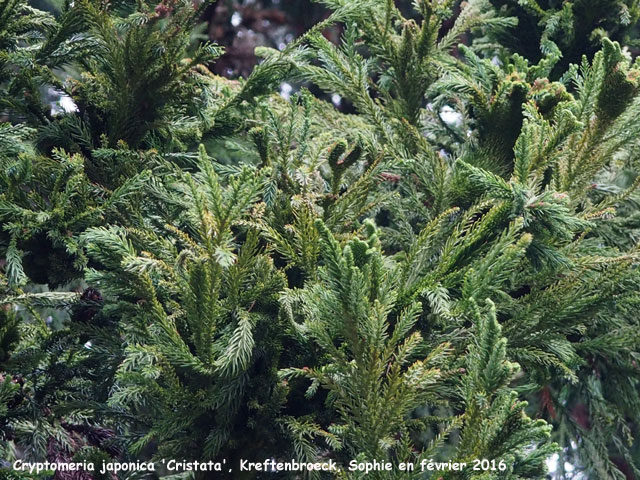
(9, 334)
(22, 30)
(139, 74)
(565, 31)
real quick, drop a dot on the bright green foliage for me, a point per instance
(374, 368)
(449, 271)
(44, 202)
(495, 425)
(198, 322)
(379, 369)
(312, 175)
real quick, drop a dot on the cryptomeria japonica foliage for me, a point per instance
(443, 269)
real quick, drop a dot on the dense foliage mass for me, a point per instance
(444, 268)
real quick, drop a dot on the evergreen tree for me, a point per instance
(196, 268)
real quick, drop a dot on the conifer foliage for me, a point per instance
(439, 265)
